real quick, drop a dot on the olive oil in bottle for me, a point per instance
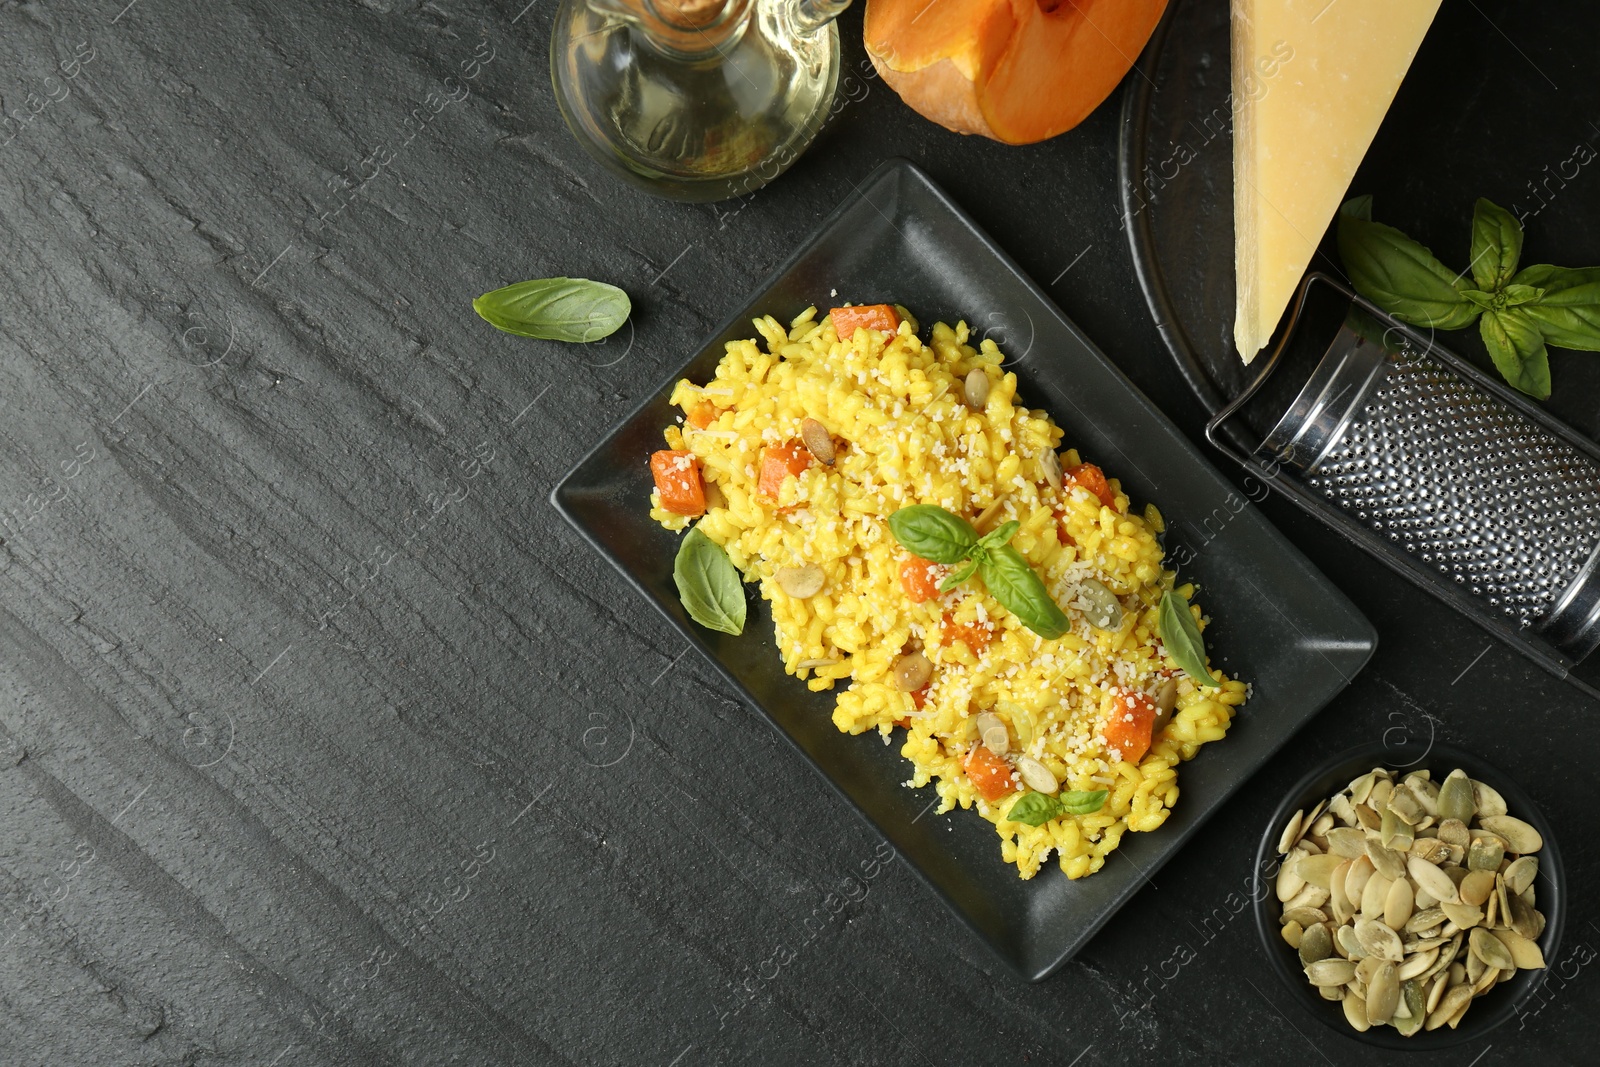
(695, 99)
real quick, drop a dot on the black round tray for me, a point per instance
(1498, 103)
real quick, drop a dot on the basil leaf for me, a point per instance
(1484, 300)
(1034, 809)
(959, 575)
(996, 538)
(1568, 313)
(556, 309)
(1013, 582)
(708, 584)
(1516, 345)
(1357, 207)
(931, 532)
(1517, 295)
(1080, 802)
(1496, 245)
(1181, 636)
(1398, 274)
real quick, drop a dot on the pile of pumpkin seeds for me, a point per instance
(1408, 898)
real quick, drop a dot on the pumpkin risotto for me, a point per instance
(794, 457)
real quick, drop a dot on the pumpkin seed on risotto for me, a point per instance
(923, 540)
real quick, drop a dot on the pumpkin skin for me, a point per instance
(1017, 71)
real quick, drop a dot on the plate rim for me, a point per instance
(1131, 162)
(1359, 645)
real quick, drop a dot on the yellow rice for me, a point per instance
(911, 440)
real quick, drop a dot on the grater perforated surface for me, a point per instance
(1468, 485)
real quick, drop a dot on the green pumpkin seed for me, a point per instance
(1525, 952)
(1377, 939)
(1488, 800)
(1347, 841)
(1491, 950)
(1476, 888)
(1519, 876)
(1431, 878)
(1485, 853)
(1374, 895)
(1361, 788)
(1355, 881)
(1331, 973)
(1458, 997)
(1366, 967)
(1355, 1013)
(1447, 957)
(1465, 916)
(1290, 832)
(1410, 1014)
(1308, 897)
(1454, 832)
(1418, 963)
(1318, 870)
(1315, 944)
(1100, 605)
(1424, 919)
(1394, 831)
(1287, 883)
(1403, 803)
(1386, 861)
(1383, 994)
(1306, 917)
(1525, 921)
(1520, 836)
(1455, 797)
(1398, 904)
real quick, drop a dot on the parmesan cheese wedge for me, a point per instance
(1312, 80)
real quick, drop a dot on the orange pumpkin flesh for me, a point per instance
(1018, 71)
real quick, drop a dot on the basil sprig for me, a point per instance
(556, 309)
(1036, 809)
(1518, 313)
(708, 584)
(1181, 636)
(931, 532)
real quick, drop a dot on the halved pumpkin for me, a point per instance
(1018, 71)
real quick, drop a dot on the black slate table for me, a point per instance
(323, 740)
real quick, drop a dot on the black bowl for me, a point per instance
(1488, 1011)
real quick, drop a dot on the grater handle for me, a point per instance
(1228, 410)
(1269, 469)
(1467, 370)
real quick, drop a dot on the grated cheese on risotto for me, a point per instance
(903, 433)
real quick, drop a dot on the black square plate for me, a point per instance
(1278, 623)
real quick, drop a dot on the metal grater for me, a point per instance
(1464, 482)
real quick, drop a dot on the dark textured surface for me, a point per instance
(325, 741)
